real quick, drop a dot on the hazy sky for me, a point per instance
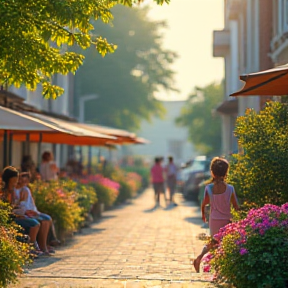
(191, 23)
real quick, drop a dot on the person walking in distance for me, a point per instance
(157, 180)
(171, 172)
(220, 196)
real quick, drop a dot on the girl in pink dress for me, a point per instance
(220, 196)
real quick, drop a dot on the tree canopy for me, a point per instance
(35, 34)
(203, 125)
(126, 80)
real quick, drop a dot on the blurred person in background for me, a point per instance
(48, 168)
(171, 179)
(157, 175)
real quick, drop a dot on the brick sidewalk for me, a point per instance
(131, 246)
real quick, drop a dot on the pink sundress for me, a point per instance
(220, 207)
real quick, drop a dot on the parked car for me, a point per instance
(182, 174)
(194, 175)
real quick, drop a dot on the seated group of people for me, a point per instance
(38, 226)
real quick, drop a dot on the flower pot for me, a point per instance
(97, 210)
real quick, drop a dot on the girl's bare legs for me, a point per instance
(43, 233)
(197, 261)
(33, 231)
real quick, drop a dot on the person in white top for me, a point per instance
(171, 172)
(48, 167)
(26, 202)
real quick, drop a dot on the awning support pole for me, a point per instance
(89, 159)
(27, 144)
(99, 155)
(10, 148)
(5, 136)
(39, 148)
(110, 153)
(80, 159)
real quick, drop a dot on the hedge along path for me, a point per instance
(130, 246)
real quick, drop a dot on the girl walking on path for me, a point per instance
(220, 196)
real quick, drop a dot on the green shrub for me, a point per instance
(105, 195)
(13, 254)
(144, 172)
(260, 174)
(125, 192)
(85, 196)
(130, 184)
(56, 199)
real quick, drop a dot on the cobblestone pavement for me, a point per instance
(131, 246)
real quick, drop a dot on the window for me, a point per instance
(275, 18)
(280, 18)
(285, 16)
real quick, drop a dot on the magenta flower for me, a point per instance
(243, 251)
(206, 268)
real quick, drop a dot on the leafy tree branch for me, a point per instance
(35, 33)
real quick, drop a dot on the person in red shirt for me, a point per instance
(157, 172)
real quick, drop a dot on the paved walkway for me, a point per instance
(131, 246)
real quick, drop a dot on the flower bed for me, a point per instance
(13, 253)
(143, 172)
(253, 251)
(106, 189)
(116, 187)
(130, 184)
(65, 201)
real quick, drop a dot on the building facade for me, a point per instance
(245, 45)
(279, 41)
(61, 106)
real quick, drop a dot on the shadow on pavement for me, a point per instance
(194, 220)
(104, 217)
(44, 262)
(89, 230)
(170, 207)
(150, 210)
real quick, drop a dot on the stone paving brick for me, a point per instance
(128, 243)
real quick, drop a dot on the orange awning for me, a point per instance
(57, 131)
(70, 126)
(14, 120)
(123, 136)
(265, 83)
(47, 129)
(61, 138)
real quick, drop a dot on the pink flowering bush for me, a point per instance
(130, 183)
(114, 186)
(253, 252)
(107, 190)
(142, 171)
